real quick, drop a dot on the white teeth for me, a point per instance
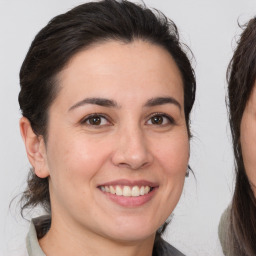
(142, 191)
(135, 191)
(119, 191)
(126, 190)
(147, 189)
(112, 190)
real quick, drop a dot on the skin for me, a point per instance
(248, 139)
(125, 144)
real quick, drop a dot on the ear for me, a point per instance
(35, 148)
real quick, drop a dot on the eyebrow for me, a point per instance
(111, 103)
(161, 101)
(95, 101)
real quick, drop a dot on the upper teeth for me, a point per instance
(126, 190)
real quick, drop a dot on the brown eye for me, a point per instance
(96, 120)
(160, 120)
(157, 120)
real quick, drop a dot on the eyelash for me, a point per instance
(163, 115)
(99, 115)
(95, 115)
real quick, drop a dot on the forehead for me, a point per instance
(116, 67)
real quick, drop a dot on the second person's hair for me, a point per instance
(241, 80)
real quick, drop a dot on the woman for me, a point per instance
(106, 94)
(237, 229)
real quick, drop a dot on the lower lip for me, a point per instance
(131, 201)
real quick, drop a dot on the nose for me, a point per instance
(132, 150)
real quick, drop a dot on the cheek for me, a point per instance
(173, 158)
(174, 161)
(74, 160)
(248, 145)
(174, 155)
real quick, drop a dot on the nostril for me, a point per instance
(124, 165)
(144, 164)
(133, 166)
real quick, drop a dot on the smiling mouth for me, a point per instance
(127, 191)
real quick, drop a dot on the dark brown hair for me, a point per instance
(71, 32)
(241, 79)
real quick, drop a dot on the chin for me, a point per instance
(133, 231)
(132, 236)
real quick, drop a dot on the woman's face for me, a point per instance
(248, 139)
(117, 149)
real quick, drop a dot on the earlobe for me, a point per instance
(35, 148)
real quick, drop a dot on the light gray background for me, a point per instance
(209, 29)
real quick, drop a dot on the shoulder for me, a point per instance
(224, 230)
(162, 248)
(38, 226)
(230, 246)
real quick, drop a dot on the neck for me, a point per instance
(70, 239)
